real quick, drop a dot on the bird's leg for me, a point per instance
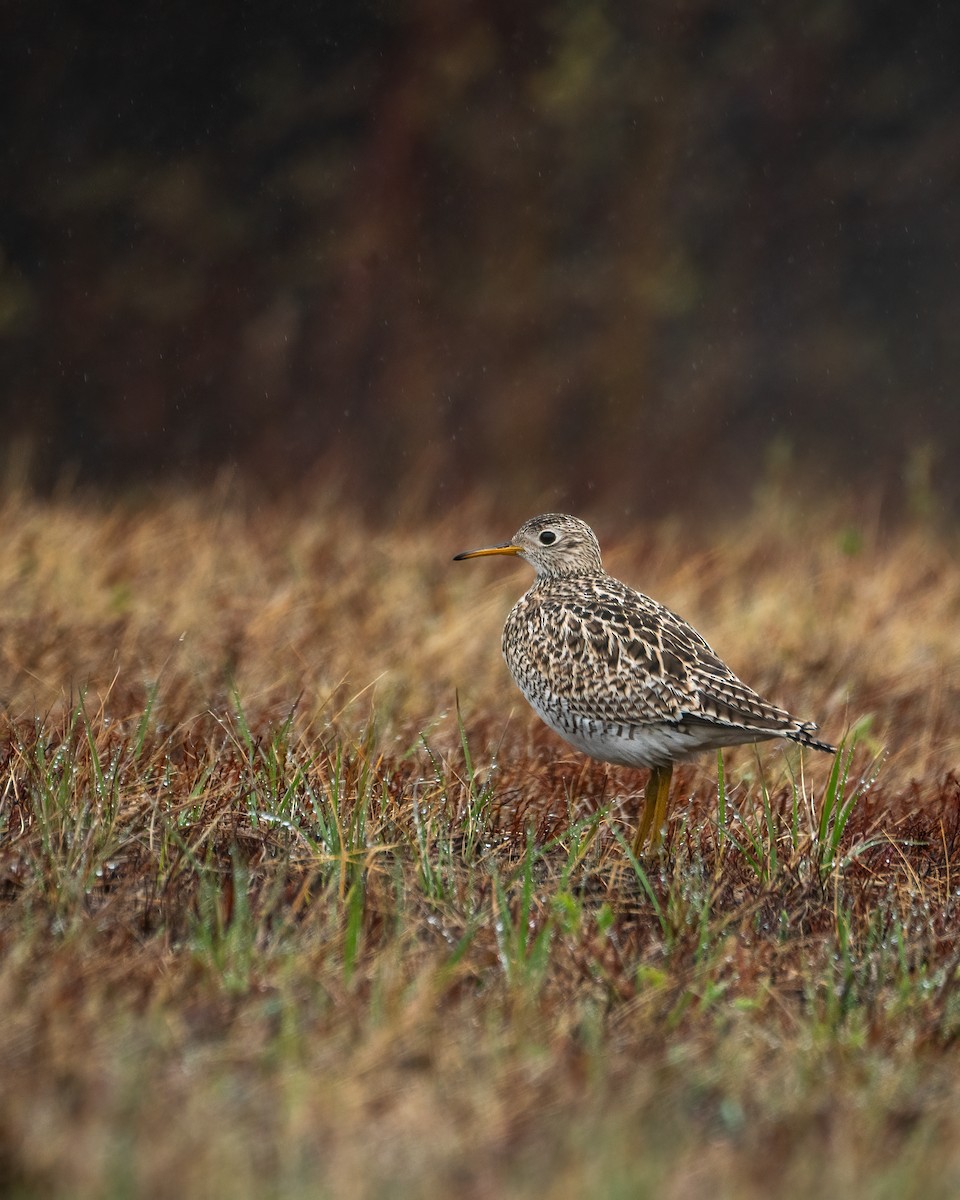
(664, 777)
(655, 803)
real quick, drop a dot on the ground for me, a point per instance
(298, 898)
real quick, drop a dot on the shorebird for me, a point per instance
(619, 676)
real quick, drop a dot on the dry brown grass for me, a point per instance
(267, 925)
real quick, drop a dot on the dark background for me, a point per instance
(659, 251)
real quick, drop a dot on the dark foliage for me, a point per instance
(585, 242)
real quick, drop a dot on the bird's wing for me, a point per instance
(618, 654)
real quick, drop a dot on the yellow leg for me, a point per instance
(656, 801)
(663, 805)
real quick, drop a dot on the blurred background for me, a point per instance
(656, 254)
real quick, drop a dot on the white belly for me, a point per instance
(627, 745)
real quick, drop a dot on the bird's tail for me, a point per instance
(804, 735)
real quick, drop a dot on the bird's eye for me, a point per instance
(547, 538)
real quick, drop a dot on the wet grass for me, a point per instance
(280, 915)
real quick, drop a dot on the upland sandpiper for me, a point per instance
(619, 676)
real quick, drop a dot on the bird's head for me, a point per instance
(553, 544)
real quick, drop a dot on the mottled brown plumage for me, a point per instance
(618, 675)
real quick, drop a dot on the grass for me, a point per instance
(297, 899)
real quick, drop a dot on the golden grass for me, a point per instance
(268, 926)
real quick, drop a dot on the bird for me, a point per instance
(618, 675)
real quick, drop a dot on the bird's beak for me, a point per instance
(504, 548)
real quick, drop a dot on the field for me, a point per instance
(297, 898)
